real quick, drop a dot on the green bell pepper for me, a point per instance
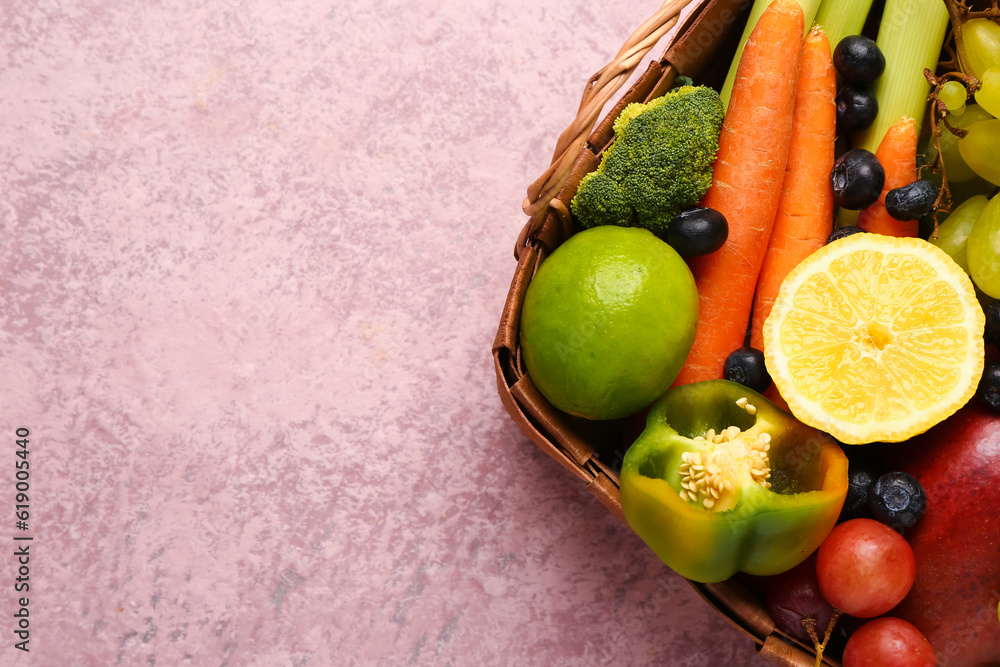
(722, 481)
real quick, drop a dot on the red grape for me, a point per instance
(865, 568)
(888, 642)
(793, 596)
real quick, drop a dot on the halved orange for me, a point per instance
(875, 338)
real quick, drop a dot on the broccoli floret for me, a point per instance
(659, 164)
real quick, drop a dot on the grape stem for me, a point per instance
(809, 623)
(939, 117)
(959, 13)
(956, 68)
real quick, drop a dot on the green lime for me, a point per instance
(607, 321)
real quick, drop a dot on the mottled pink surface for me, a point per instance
(253, 259)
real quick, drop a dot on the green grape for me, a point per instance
(953, 233)
(983, 252)
(988, 95)
(958, 171)
(982, 45)
(953, 94)
(980, 149)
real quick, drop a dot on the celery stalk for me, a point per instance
(910, 37)
(841, 18)
(809, 8)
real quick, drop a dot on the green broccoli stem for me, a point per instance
(911, 36)
(809, 8)
(841, 18)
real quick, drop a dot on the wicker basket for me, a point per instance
(701, 48)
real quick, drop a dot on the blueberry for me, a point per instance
(911, 202)
(897, 500)
(697, 231)
(843, 232)
(858, 59)
(857, 179)
(860, 481)
(989, 387)
(746, 367)
(857, 108)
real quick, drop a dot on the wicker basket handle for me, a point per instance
(707, 27)
(599, 90)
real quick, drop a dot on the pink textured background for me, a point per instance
(253, 259)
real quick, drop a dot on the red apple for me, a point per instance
(957, 543)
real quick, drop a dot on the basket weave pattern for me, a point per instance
(708, 29)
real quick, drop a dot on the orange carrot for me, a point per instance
(898, 155)
(746, 184)
(805, 210)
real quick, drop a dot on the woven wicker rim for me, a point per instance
(601, 87)
(577, 152)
